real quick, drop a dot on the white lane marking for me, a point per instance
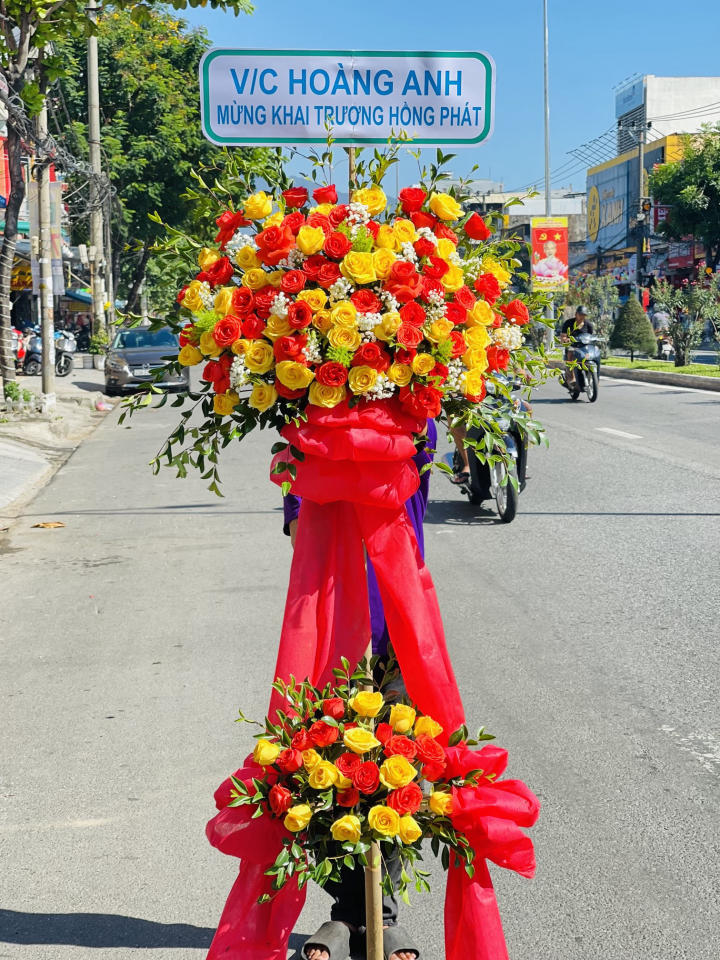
(619, 433)
(705, 749)
(659, 386)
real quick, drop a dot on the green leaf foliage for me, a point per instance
(633, 330)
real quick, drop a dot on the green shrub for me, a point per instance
(633, 331)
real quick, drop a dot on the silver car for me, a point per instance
(133, 355)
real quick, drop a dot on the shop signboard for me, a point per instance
(549, 266)
(608, 206)
(681, 254)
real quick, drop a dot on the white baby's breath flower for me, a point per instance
(238, 373)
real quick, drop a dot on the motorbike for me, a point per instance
(65, 347)
(500, 481)
(584, 377)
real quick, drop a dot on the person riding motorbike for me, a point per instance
(570, 330)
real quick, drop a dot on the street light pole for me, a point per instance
(548, 202)
(640, 212)
(45, 280)
(96, 208)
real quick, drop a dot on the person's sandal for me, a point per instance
(396, 940)
(332, 936)
(460, 478)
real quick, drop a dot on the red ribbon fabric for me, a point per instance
(355, 477)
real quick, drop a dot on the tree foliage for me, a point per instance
(600, 296)
(633, 331)
(690, 307)
(690, 187)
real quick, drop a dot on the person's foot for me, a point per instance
(320, 953)
(459, 478)
(402, 954)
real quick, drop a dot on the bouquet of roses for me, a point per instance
(348, 766)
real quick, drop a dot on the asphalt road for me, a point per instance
(584, 635)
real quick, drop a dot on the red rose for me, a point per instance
(431, 286)
(222, 385)
(338, 214)
(328, 274)
(295, 197)
(477, 397)
(220, 272)
(293, 281)
(408, 335)
(420, 219)
(365, 301)
(243, 301)
(405, 355)
(320, 220)
(413, 314)
(312, 265)
(405, 799)
(366, 777)
(264, 301)
(433, 771)
(289, 760)
(404, 283)
(422, 402)
(439, 374)
(516, 312)
(443, 232)
(347, 798)
(331, 374)
(458, 342)
(337, 245)
(403, 746)
(383, 732)
(289, 348)
(429, 750)
(498, 358)
(374, 228)
(181, 295)
(488, 287)
(301, 740)
(424, 247)
(322, 734)
(347, 763)
(186, 336)
(334, 706)
(274, 244)
(227, 331)
(299, 315)
(253, 327)
(465, 297)
(371, 354)
(228, 223)
(280, 800)
(456, 313)
(325, 194)
(477, 229)
(293, 221)
(212, 371)
(436, 268)
(411, 199)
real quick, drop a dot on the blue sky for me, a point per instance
(593, 47)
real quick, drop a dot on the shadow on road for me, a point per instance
(99, 930)
(460, 512)
(158, 510)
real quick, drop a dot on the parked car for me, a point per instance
(133, 355)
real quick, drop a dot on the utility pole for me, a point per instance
(45, 284)
(96, 200)
(640, 213)
(550, 309)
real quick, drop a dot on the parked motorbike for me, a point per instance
(499, 481)
(584, 376)
(65, 347)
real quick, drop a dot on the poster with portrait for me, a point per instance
(549, 265)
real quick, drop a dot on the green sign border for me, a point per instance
(345, 141)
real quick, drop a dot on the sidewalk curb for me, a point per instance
(689, 380)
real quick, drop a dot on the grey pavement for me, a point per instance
(584, 634)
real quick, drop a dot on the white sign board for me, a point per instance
(271, 97)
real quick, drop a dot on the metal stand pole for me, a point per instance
(373, 880)
(45, 285)
(96, 210)
(352, 182)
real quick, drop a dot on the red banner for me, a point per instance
(549, 266)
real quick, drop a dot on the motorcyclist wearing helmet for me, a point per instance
(570, 330)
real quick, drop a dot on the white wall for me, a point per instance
(672, 95)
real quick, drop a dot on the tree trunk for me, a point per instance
(632, 356)
(680, 357)
(7, 253)
(138, 278)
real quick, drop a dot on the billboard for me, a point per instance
(629, 97)
(549, 263)
(609, 188)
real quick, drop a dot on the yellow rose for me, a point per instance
(323, 208)
(359, 740)
(388, 326)
(410, 830)
(384, 820)
(310, 239)
(346, 829)
(362, 379)
(275, 278)
(453, 279)
(223, 301)
(445, 248)
(208, 345)
(321, 395)
(258, 206)
(344, 314)
(265, 753)
(315, 299)
(189, 356)
(366, 703)
(273, 220)
(323, 775)
(224, 403)
(297, 817)
(477, 336)
(343, 783)
(427, 726)
(386, 239)
(404, 231)
(192, 299)
(503, 276)
(255, 279)
(396, 772)
(475, 359)
(445, 207)
(311, 758)
(277, 327)
(358, 267)
(402, 717)
(439, 330)
(207, 257)
(422, 364)
(400, 373)
(482, 313)
(440, 803)
(373, 198)
(246, 258)
(240, 347)
(383, 261)
(344, 338)
(322, 320)
(473, 382)
(263, 395)
(294, 375)
(259, 356)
